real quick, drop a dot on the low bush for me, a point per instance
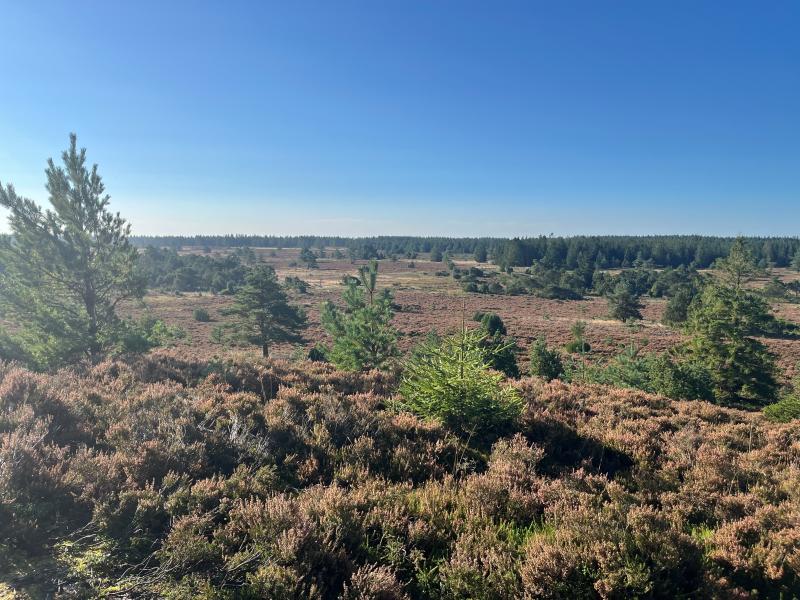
(653, 373)
(544, 362)
(784, 410)
(201, 315)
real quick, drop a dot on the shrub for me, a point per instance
(318, 354)
(296, 284)
(578, 344)
(545, 363)
(555, 292)
(201, 315)
(451, 382)
(784, 410)
(658, 374)
(146, 333)
(264, 479)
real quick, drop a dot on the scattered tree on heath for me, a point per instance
(723, 322)
(363, 337)
(451, 381)
(624, 304)
(262, 311)
(65, 270)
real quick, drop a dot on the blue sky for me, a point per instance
(455, 118)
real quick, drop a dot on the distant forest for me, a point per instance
(556, 252)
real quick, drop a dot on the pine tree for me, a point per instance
(262, 311)
(739, 267)
(308, 257)
(624, 304)
(368, 276)
(796, 260)
(363, 337)
(65, 270)
(677, 310)
(722, 323)
(480, 253)
(545, 363)
(501, 352)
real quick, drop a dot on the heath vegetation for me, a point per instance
(262, 417)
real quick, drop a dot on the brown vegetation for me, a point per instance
(186, 479)
(428, 302)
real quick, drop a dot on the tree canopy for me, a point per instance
(363, 337)
(66, 269)
(262, 311)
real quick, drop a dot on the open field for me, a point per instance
(430, 302)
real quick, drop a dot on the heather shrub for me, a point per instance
(167, 477)
(373, 582)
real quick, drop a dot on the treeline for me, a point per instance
(377, 246)
(605, 252)
(610, 252)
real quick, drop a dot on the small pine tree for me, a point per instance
(501, 353)
(578, 342)
(796, 260)
(262, 311)
(787, 408)
(545, 363)
(624, 304)
(722, 323)
(363, 337)
(368, 276)
(308, 258)
(481, 254)
(677, 309)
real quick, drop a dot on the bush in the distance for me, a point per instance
(578, 344)
(201, 315)
(545, 363)
(501, 352)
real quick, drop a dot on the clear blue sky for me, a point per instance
(429, 117)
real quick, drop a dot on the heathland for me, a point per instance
(388, 418)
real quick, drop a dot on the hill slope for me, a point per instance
(167, 478)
